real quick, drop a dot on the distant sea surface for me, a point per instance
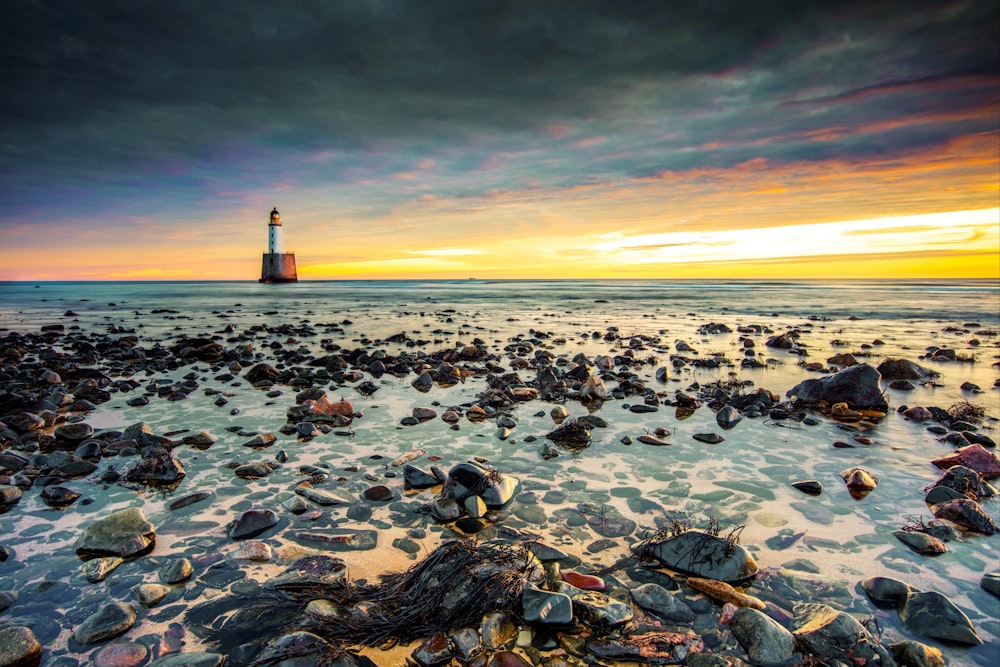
(869, 299)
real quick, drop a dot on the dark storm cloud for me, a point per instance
(125, 91)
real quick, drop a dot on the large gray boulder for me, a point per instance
(125, 533)
(858, 386)
(702, 555)
(766, 642)
(932, 614)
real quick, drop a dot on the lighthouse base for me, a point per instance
(278, 268)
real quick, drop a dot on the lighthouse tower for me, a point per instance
(277, 265)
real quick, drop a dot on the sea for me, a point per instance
(808, 548)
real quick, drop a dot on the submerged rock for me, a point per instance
(19, 647)
(904, 369)
(826, 633)
(111, 620)
(967, 514)
(546, 608)
(251, 523)
(914, 654)
(765, 641)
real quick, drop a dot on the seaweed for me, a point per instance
(454, 586)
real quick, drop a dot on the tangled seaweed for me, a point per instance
(454, 586)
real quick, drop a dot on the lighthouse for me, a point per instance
(277, 265)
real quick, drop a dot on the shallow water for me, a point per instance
(742, 481)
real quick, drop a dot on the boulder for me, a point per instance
(125, 533)
(976, 457)
(904, 369)
(475, 479)
(858, 386)
(886, 591)
(251, 523)
(19, 647)
(967, 514)
(764, 640)
(545, 608)
(933, 615)
(914, 654)
(659, 601)
(825, 633)
(702, 555)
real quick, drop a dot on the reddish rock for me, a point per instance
(121, 654)
(587, 582)
(975, 457)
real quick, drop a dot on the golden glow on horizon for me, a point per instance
(931, 215)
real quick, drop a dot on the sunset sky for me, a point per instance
(451, 139)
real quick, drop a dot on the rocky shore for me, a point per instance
(206, 498)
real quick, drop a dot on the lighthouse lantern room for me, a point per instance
(277, 265)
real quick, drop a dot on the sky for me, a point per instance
(537, 139)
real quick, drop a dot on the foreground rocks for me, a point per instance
(126, 533)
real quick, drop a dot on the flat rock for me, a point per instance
(659, 601)
(125, 533)
(149, 595)
(176, 570)
(886, 591)
(322, 496)
(976, 457)
(110, 621)
(311, 572)
(98, 569)
(545, 608)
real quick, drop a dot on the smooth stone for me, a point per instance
(7, 598)
(811, 487)
(254, 550)
(311, 572)
(9, 496)
(546, 553)
(922, 543)
(933, 615)
(445, 509)
(858, 386)
(18, 647)
(942, 494)
(378, 493)
(546, 608)
(886, 591)
(587, 582)
(252, 523)
(991, 582)
(322, 496)
(125, 533)
(657, 600)
(97, 569)
(728, 417)
(708, 438)
(415, 478)
(121, 654)
(967, 514)
(112, 620)
(914, 654)
(600, 611)
(175, 571)
(149, 595)
(765, 641)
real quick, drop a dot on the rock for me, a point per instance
(728, 417)
(659, 601)
(260, 441)
(723, 592)
(918, 414)
(904, 369)
(573, 434)
(121, 654)
(176, 570)
(474, 479)
(251, 523)
(415, 478)
(702, 555)
(322, 496)
(933, 615)
(255, 469)
(76, 432)
(545, 608)
(809, 486)
(18, 647)
(98, 569)
(942, 494)
(966, 482)
(600, 611)
(298, 649)
(975, 457)
(708, 438)
(914, 654)
(9, 496)
(254, 550)
(378, 493)
(858, 386)
(149, 595)
(885, 591)
(308, 572)
(842, 359)
(125, 533)
(593, 390)
(586, 582)
(193, 659)
(445, 509)
(435, 650)
(765, 641)
(967, 514)
(7, 598)
(159, 468)
(826, 633)
(991, 582)
(859, 481)
(110, 621)
(922, 543)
